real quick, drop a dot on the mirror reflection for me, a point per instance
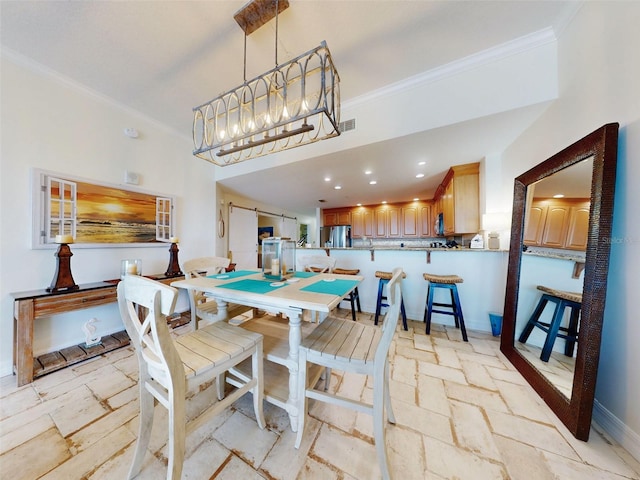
(551, 276)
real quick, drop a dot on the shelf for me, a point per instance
(50, 362)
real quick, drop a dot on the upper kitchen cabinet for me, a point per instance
(361, 222)
(336, 216)
(397, 220)
(458, 198)
(558, 223)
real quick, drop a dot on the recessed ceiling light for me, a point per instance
(359, 204)
(420, 175)
(384, 201)
(327, 179)
(337, 187)
(421, 163)
(368, 172)
(558, 195)
(416, 199)
(372, 182)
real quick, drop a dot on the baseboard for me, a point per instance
(627, 438)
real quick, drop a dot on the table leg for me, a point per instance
(23, 319)
(223, 307)
(295, 337)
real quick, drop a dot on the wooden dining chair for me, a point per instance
(356, 348)
(202, 307)
(169, 369)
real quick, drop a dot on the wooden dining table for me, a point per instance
(292, 304)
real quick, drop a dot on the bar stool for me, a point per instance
(354, 295)
(447, 282)
(384, 279)
(563, 300)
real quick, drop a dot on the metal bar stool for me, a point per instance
(448, 282)
(563, 300)
(384, 279)
(354, 295)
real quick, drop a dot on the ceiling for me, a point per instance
(161, 58)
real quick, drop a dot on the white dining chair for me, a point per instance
(202, 307)
(170, 369)
(357, 348)
(319, 264)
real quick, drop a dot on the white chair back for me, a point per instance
(207, 265)
(319, 263)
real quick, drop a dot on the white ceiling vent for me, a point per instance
(347, 125)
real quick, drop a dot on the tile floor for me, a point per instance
(462, 412)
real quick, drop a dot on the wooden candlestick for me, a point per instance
(173, 270)
(62, 279)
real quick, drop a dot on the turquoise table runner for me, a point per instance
(239, 273)
(337, 287)
(253, 286)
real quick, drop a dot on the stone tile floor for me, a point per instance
(462, 412)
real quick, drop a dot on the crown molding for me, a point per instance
(499, 52)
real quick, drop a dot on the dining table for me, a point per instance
(293, 307)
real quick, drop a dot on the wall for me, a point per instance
(51, 124)
(224, 197)
(598, 73)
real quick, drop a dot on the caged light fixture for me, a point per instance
(293, 104)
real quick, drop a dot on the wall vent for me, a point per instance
(347, 125)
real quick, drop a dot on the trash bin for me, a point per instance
(496, 323)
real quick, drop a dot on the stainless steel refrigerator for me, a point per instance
(339, 236)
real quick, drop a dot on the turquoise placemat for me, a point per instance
(239, 273)
(250, 285)
(337, 287)
(305, 274)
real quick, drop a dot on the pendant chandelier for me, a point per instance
(293, 104)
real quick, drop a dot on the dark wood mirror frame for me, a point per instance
(602, 145)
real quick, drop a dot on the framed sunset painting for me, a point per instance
(98, 213)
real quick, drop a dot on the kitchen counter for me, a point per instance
(410, 249)
(482, 291)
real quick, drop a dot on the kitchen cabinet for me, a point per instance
(537, 217)
(458, 198)
(336, 216)
(426, 221)
(402, 220)
(380, 219)
(394, 219)
(578, 227)
(558, 223)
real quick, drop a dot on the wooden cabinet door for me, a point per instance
(410, 221)
(394, 215)
(357, 223)
(466, 195)
(329, 218)
(578, 228)
(426, 223)
(369, 222)
(555, 229)
(380, 223)
(535, 224)
(344, 217)
(448, 209)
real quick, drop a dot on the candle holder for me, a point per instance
(63, 279)
(173, 270)
(130, 267)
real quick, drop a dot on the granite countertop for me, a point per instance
(560, 255)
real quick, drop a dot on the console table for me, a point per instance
(31, 305)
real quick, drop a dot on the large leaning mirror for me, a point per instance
(557, 275)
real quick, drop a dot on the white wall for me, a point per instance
(598, 73)
(50, 124)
